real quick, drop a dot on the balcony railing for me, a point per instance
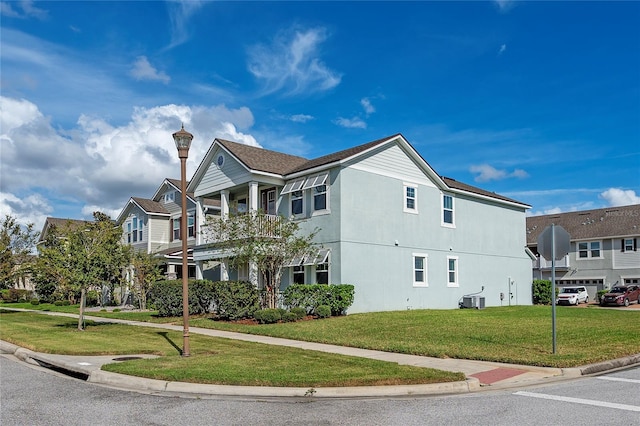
(243, 227)
(542, 263)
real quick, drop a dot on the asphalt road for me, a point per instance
(31, 395)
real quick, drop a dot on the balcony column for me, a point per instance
(224, 203)
(199, 269)
(224, 269)
(253, 196)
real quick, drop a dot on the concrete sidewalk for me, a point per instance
(480, 375)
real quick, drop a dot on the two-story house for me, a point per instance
(154, 226)
(604, 247)
(404, 236)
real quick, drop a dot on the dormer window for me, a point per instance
(169, 197)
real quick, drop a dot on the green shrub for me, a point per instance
(62, 303)
(166, 296)
(541, 292)
(299, 312)
(600, 294)
(35, 302)
(268, 316)
(117, 310)
(235, 299)
(14, 295)
(323, 311)
(92, 298)
(289, 317)
(309, 296)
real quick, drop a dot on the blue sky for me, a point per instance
(539, 101)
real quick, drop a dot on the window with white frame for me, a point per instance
(320, 197)
(452, 271)
(447, 210)
(176, 229)
(140, 227)
(169, 197)
(420, 270)
(589, 250)
(297, 203)
(129, 232)
(629, 244)
(410, 197)
(134, 225)
(191, 225)
(322, 273)
(298, 274)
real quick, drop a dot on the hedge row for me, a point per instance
(338, 297)
(228, 299)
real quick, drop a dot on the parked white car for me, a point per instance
(572, 296)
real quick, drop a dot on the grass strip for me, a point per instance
(213, 360)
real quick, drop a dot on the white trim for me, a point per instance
(302, 198)
(456, 271)
(425, 270)
(292, 186)
(317, 180)
(385, 173)
(327, 208)
(405, 197)
(589, 249)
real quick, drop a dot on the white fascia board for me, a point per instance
(529, 253)
(487, 198)
(123, 212)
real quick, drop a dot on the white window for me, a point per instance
(297, 203)
(628, 244)
(169, 197)
(176, 229)
(191, 225)
(589, 250)
(298, 274)
(410, 197)
(320, 197)
(322, 273)
(134, 220)
(452, 271)
(420, 270)
(129, 232)
(447, 210)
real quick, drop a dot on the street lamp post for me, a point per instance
(183, 140)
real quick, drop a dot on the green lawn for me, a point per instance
(517, 334)
(213, 360)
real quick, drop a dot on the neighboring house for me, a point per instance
(604, 247)
(404, 236)
(154, 226)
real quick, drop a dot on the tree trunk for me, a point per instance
(83, 298)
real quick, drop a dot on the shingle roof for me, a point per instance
(338, 156)
(452, 183)
(150, 206)
(61, 223)
(600, 223)
(261, 159)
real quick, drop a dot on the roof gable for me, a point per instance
(260, 159)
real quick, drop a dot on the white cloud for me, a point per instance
(292, 64)
(366, 104)
(351, 123)
(505, 5)
(620, 197)
(98, 165)
(502, 49)
(32, 209)
(301, 118)
(143, 70)
(486, 173)
(180, 11)
(27, 8)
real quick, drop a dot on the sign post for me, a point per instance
(553, 244)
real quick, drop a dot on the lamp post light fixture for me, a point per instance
(183, 140)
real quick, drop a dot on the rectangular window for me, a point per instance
(176, 229)
(296, 203)
(140, 227)
(129, 232)
(322, 273)
(628, 244)
(452, 271)
(298, 274)
(191, 225)
(410, 194)
(320, 197)
(589, 250)
(169, 197)
(447, 210)
(420, 270)
(135, 229)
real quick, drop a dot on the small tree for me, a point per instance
(146, 271)
(16, 245)
(263, 241)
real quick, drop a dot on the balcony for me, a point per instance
(542, 263)
(243, 227)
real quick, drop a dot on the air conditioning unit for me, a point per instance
(473, 302)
